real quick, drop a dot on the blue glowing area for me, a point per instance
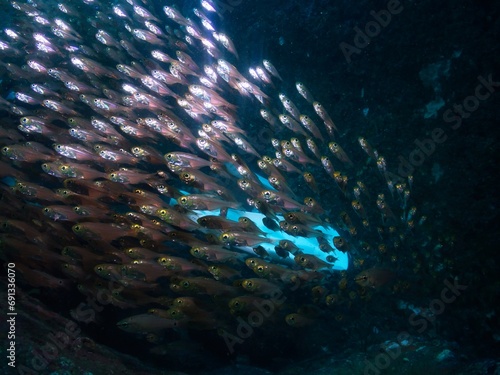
(9, 181)
(307, 245)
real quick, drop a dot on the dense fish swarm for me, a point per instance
(125, 156)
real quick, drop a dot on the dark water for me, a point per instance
(423, 90)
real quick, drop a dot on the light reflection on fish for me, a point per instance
(128, 151)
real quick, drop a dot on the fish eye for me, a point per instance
(249, 284)
(260, 268)
(186, 175)
(302, 259)
(225, 236)
(162, 212)
(5, 149)
(236, 304)
(46, 209)
(183, 199)
(77, 228)
(196, 251)
(185, 284)
(162, 260)
(98, 268)
(80, 287)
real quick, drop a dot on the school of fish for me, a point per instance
(121, 120)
